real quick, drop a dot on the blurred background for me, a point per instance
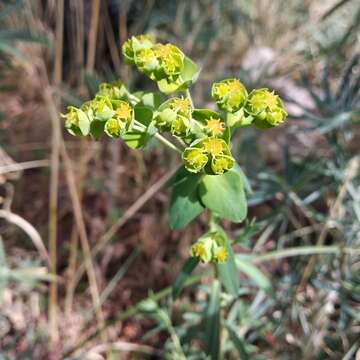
(83, 224)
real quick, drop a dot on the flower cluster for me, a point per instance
(210, 248)
(210, 153)
(108, 112)
(266, 108)
(157, 61)
(230, 95)
(204, 133)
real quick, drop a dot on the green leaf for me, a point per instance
(179, 175)
(182, 276)
(224, 195)
(97, 129)
(212, 323)
(227, 271)
(136, 139)
(254, 274)
(239, 342)
(143, 114)
(84, 122)
(184, 202)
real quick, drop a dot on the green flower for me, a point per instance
(216, 153)
(202, 249)
(180, 105)
(210, 247)
(113, 90)
(180, 126)
(194, 159)
(147, 62)
(214, 126)
(135, 44)
(72, 120)
(222, 163)
(266, 107)
(114, 128)
(121, 120)
(220, 254)
(230, 95)
(171, 59)
(101, 108)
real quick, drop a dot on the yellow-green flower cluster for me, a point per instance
(158, 61)
(266, 107)
(105, 113)
(211, 154)
(210, 248)
(174, 116)
(230, 95)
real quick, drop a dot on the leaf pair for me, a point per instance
(192, 193)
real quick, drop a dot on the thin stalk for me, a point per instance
(167, 143)
(54, 180)
(95, 12)
(140, 127)
(188, 96)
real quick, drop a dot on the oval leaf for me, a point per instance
(224, 195)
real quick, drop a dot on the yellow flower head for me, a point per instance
(222, 163)
(114, 128)
(214, 146)
(266, 107)
(215, 126)
(181, 105)
(220, 254)
(124, 111)
(194, 159)
(230, 94)
(198, 250)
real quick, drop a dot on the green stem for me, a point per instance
(140, 127)
(188, 96)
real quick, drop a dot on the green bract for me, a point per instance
(266, 107)
(230, 95)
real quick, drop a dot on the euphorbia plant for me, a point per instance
(210, 178)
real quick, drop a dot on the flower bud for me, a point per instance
(230, 95)
(266, 107)
(194, 159)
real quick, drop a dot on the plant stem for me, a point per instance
(166, 142)
(188, 96)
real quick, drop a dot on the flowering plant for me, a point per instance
(210, 177)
